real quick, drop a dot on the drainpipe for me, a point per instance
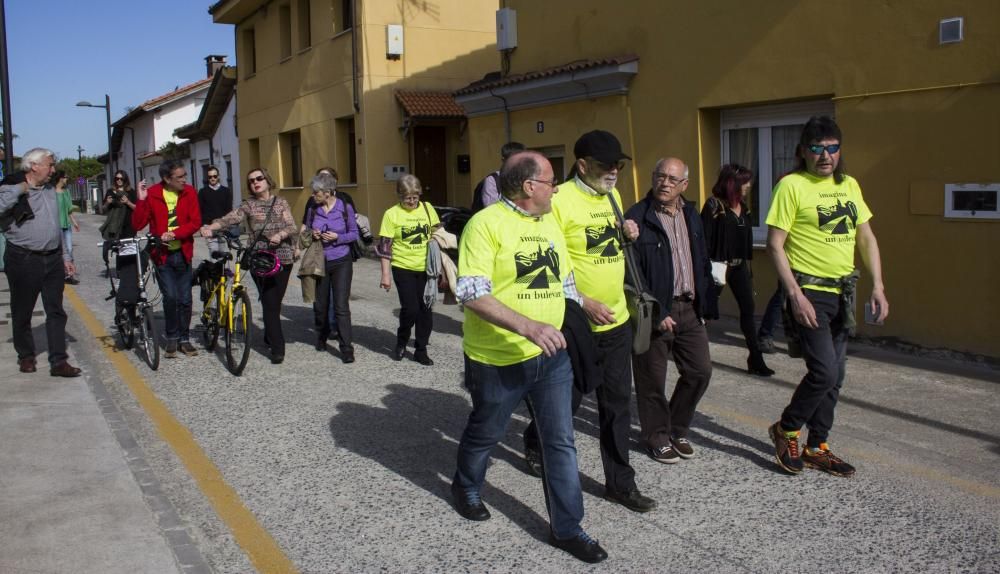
(506, 114)
(354, 54)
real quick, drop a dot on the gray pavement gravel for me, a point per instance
(348, 466)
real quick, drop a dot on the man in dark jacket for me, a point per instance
(214, 200)
(674, 263)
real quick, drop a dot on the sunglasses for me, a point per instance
(211, 176)
(119, 178)
(619, 165)
(259, 178)
(818, 149)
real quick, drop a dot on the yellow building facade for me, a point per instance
(363, 86)
(914, 85)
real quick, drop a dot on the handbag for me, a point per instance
(719, 272)
(643, 307)
(263, 262)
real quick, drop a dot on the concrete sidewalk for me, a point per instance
(73, 496)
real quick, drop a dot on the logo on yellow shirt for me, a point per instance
(601, 240)
(834, 219)
(534, 268)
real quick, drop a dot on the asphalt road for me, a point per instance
(346, 468)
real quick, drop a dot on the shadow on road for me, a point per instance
(407, 437)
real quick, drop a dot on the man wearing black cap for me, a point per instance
(584, 212)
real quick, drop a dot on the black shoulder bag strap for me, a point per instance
(267, 218)
(635, 277)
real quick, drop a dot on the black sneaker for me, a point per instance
(766, 345)
(786, 448)
(399, 352)
(683, 447)
(533, 460)
(469, 505)
(582, 547)
(632, 500)
(422, 358)
(823, 459)
(170, 350)
(665, 454)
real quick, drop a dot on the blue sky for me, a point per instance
(63, 51)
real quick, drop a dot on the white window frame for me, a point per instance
(949, 202)
(763, 118)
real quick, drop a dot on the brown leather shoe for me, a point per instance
(64, 369)
(27, 365)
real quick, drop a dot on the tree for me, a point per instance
(174, 150)
(87, 167)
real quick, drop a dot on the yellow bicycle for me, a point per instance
(226, 304)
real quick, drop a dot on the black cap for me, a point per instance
(600, 145)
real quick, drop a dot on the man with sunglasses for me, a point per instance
(584, 212)
(214, 200)
(817, 217)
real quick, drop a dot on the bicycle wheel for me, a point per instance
(125, 325)
(210, 320)
(147, 338)
(238, 333)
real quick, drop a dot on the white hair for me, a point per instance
(35, 156)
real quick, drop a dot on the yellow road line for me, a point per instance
(970, 486)
(256, 542)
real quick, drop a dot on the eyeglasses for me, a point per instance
(258, 178)
(658, 176)
(410, 198)
(619, 165)
(552, 183)
(818, 149)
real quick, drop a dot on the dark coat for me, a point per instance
(655, 258)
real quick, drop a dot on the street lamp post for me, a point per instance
(107, 112)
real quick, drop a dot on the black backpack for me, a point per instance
(477, 195)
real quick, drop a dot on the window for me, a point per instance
(971, 201)
(248, 59)
(343, 17)
(303, 20)
(253, 153)
(763, 139)
(285, 30)
(229, 171)
(347, 153)
(291, 159)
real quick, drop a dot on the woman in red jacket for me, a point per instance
(170, 209)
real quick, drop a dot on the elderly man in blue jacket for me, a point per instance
(674, 263)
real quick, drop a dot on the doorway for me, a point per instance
(430, 163)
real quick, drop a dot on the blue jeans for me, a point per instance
(174, 277)
(67, 238)
(547, 382)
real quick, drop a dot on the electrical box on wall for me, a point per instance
(464, 163)
(506, 29)
(393, 41)
(394, 172)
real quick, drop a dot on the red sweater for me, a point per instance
(153, 212)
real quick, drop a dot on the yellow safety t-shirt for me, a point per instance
(821, 218)
(410, 231)
(526, 260)
(171, 198)
(588, 224)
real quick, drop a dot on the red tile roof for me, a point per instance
(148, 104)
(430, 105)
(491, 81)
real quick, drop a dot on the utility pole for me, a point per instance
(8, 133)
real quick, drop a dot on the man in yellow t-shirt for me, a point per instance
(817, 217)
(583, 209)
(514, 276)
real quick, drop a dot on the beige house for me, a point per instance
(362, 86)
(914, 85)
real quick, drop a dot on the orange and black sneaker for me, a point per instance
(786, 448)
(822, 459)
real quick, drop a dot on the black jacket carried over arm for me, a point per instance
(655, 258)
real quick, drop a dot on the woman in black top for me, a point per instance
(729, 238)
